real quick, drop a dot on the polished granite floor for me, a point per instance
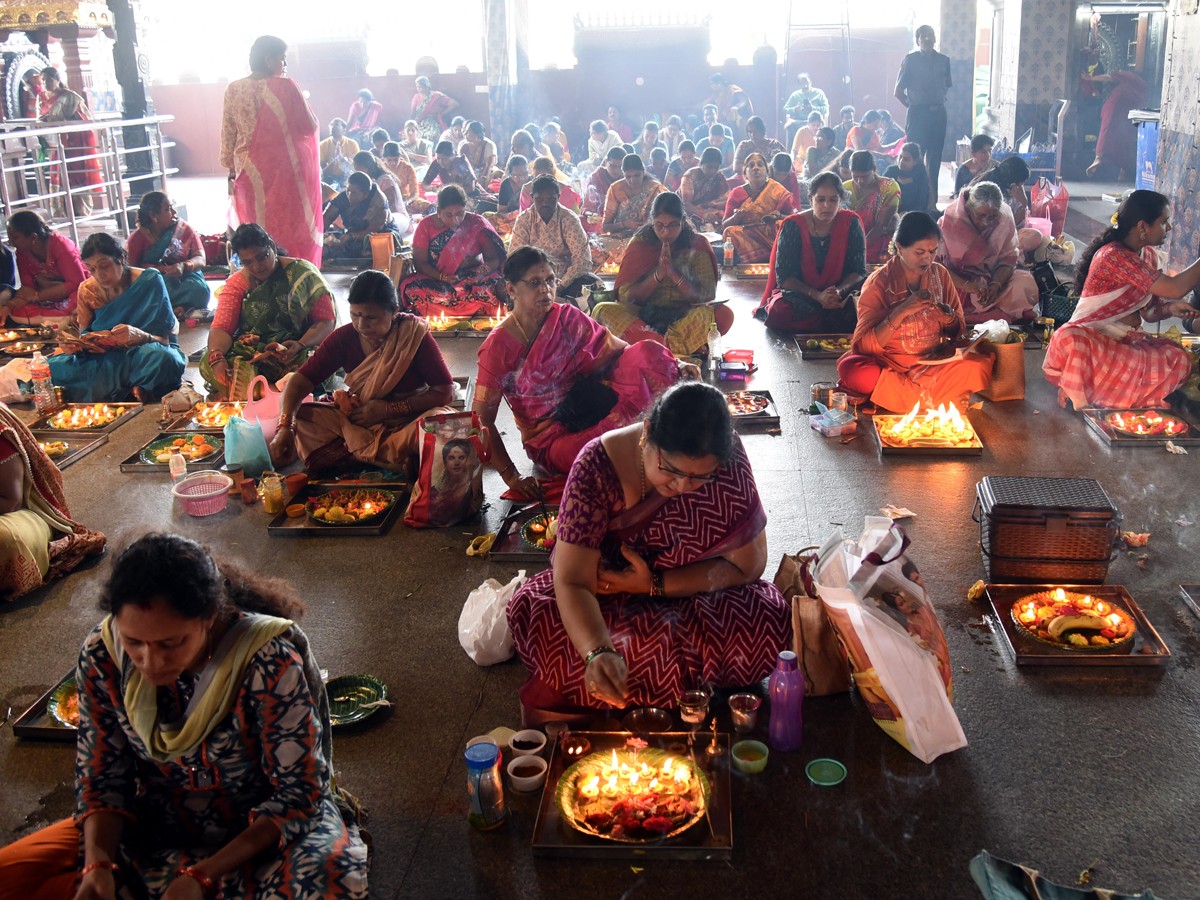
(1067, 768)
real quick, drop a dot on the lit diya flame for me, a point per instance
(618, 778)
(1060, 596)
(755, 269)
(941, 426)
(216, 415)
(1148, 423)
(90, 416)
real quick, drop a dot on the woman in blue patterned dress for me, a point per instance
(203, 761)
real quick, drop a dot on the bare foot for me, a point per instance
(141, 395)
(1093, 168)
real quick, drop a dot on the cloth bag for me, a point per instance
(1008, 373)
(876, 601)
(821, 658)
(246, 446)
(1049, 201)
(483, 625)
(449, 487)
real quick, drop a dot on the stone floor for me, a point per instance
(1067, 768)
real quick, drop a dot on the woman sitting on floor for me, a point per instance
(667, 284)
(566, 378)
(704, 190)
(656, 581)
(979, 249)
(235, 795)
(756, 142)
(544, 166)
(458, 257)
(516, 175)
(165, 242)
(451, 169)
(418, 150)
(271, 314)
(479, 150)
(374, 169)
(657, 165)
(39, 541)
(753, 211)
(602, 178)
(405, 176)
(50, 269)
(783, 172)
(979, 162)
(909, 172)
(557, 231)
(806, 135)
(395, 375)
(1010, 175)
(627, 206)
(817, 262)
(684, 162)
(126, 344)
(1101, 358)
(909, 310)
(876, 200)
(363, 211)
(823, 156)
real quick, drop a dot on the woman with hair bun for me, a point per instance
(204, 759)
(1101, 358)
(656, 582)
(908, 313)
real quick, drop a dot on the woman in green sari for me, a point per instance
(271, 314)
(165, 242)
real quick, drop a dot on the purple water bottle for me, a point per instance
(787, 703)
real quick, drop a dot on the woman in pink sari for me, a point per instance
(566, 378)
(656, 584)
(429, 108)
(1101, 358)
(979, 249)
(458, 256)
(269, 146)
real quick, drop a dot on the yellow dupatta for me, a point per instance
(220, 681)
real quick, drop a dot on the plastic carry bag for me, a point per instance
(12, 376)
(246, 446)
(483, 625)
(875, 599)
(1049, 201)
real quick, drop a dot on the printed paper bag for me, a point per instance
(449, 486)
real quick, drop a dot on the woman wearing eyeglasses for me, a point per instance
(656, 581)
(271, 314)
(565, 377)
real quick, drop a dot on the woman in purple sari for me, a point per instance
(663, 521)
(566, 378)
(458, 257)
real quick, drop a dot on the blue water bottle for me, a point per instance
(787, 703)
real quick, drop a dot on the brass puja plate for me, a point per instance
(1146, 649)
(1105, 424)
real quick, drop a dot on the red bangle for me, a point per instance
(100, 864)
(207, 885)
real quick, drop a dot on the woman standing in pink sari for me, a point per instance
(655, 586)
(566, 378)
(269, 145)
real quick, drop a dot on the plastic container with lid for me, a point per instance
(484, 787)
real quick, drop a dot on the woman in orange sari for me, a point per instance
(908, 312)
(753, 210)
(269, 146)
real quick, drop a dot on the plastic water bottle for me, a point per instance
(728, 253)
(485, 791)
(787, 703)
(43, 385)
(714, 350)
(178, 466)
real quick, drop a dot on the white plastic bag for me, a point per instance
(876, 601)
(10, 377)
(483, 626)
(996, 330)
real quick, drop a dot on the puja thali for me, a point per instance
(1142, 646)
(752, 271)
(752, 410)
(93, 417)
(200, 449)
(1140, 427)
(822, 346)
(342, 507)
(66, 449)
(571, 824)
(49, 717)
(207, 416)
(512, 544)
(350, 497)
(540, 530)
(32, 333)
(941, 432)
(26, 348)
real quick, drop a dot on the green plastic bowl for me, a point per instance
(750, 756)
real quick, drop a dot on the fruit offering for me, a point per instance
(1073, 621)
(341, 507)
(193, 449)
(542, 530)
(832, 345)
(53, 449)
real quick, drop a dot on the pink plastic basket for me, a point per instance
(203, 493)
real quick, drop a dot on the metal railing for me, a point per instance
(34, 170)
